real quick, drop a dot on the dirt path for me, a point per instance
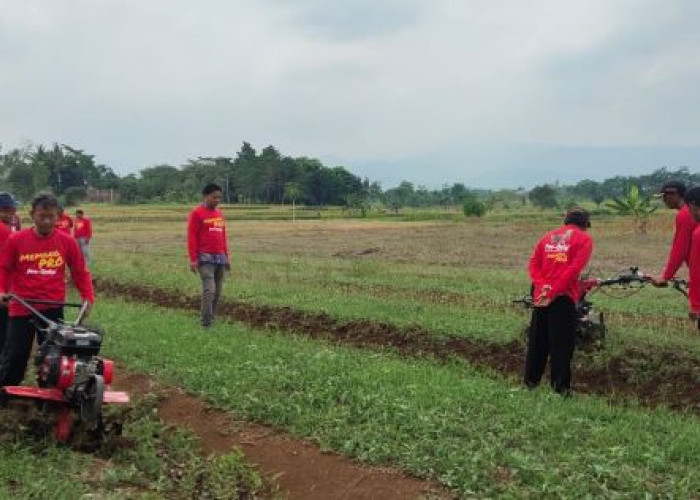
(654, 377)
(300, 468)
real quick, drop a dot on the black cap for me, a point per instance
(672, 187)
(578, 217)
(692, 197)
(7, 201)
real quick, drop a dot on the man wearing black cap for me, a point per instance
(8, 210)
(672, 193)
(555, 269)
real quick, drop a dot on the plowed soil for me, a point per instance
(653, 377)
(300, 469)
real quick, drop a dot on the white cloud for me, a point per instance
(143, 82)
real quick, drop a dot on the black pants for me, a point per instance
(552, 334)
(3, 325)
(18, 346)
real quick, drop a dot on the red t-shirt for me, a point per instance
(682, 237)
(206, 232)
(694, 272)
(64, 223)
(82, 228)
(34, 267)
(558, 260)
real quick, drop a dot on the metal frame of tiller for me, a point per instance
(71, 375)
(590, 326)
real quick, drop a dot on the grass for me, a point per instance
(465, 288)
(152, 461)
(474, 433)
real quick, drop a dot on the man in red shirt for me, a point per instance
(82, 232)
(692, 200)
(64, 222)
(208, 249)
(555, 268)
(33, 265)
(8, 213)
(672, 193)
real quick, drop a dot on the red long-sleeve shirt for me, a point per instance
(34, 267)
(5, 233)
(82, 228)
(206, 232)
(558, 260)
(682, 237)
(694, 272)
(64, 223)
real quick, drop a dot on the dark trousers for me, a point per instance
(3, 325)
(212, 276)
(552, 334)
(18, 346)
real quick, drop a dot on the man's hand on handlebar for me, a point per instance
(658, 282)
(543, 300)
(5, 297)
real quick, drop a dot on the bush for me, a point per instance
(474, 208)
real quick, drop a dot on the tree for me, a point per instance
(639, 207)
(74, 195)
(292, 191)
(472, 207)
(544, 196)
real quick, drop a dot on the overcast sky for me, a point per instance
(490, 93)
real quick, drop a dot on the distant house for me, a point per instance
(95, 195)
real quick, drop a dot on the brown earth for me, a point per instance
(300, 469)
(653, 377)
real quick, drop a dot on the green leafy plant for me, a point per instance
(636, 205)
(473, 207)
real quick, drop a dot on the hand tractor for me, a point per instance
(73, 379)
(590, 326)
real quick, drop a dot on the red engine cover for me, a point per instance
(67, 372)
(108, 371)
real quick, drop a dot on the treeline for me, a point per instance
(250, 177)
(270, 177)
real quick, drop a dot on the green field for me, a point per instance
(465, 424)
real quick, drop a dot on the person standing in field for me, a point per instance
(208, 249)
(64, 223)
(555, 269)
(692, 201)
(672, 193)
(33, 264)
(82, 232)
(8, 213)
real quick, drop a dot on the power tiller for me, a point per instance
(590, 323)
(72, 377)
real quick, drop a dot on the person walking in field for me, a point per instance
(82, 232)
(672, 193)
(64, 223)
(555, 269)
(208, 249)
(33, 265)
(8, 213)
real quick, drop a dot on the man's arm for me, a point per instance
(573, 271)
(7, 264)
(535, 266)
(79, 272)
(680, 247)
(193, 229)
(88, 229)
